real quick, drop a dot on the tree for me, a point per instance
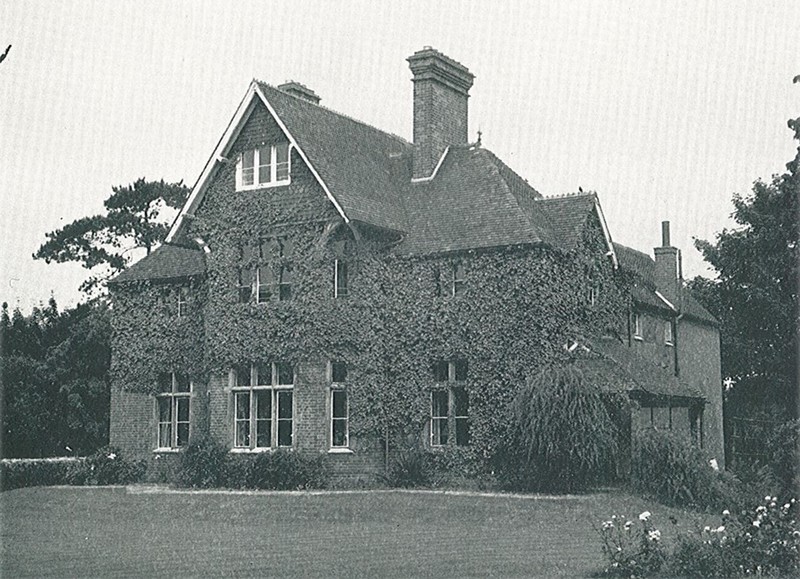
(102, 243)
(754, 294)
(55, 390)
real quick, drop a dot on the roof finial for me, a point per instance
(480, 133)
(580, 189)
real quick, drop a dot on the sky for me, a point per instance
(665, 109)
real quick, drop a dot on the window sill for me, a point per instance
(167, 450)
(245, 188)
(669, 344)
(340, 450)
(257, 450)
(639, 338)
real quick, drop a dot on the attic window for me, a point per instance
(637, 326)
(265, 166)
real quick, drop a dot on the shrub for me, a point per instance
(22, 472)
(669, 468)
(566, 438)
(203, 465)
(287, 470)
(107, 466)
(410, 468)
(760, 541)
(632, 548)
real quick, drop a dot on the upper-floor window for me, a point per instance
(637, 326)
(592, 287)
(273, 276)
(263, 405)
(450, 404)
(172, 406)
(263, 166)
(668, 340)
(459, 279)
(451, 281)
(183, 301)
(339, 278)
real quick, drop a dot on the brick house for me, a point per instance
(332, 288)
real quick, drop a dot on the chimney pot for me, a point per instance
(665, 234)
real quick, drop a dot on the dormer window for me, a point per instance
(265, 166)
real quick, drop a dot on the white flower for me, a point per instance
(644, 516)
(786, 507)
(112, 456)
(654, 535)
(706, 529)
(714, 464)
(767, 499)
(628, 525)
(773, 504)
(719, 529)
(726, 512)
(756, 523)
(608, 525)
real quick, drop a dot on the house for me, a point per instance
(332, 288)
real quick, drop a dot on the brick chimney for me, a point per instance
(300, 91)
(441, 90)
(668, 275)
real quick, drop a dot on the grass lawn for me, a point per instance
(114, 532)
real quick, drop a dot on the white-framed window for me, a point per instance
(270, 277)
(183, 301)
(459, 283)
(340, 409)
(172, 408)
(592, 288)
(339, 278)
(264, 166)
(450, 404)
(263, 406)
(637, 326)
(668, 339)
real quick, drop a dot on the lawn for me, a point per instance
(140, 531)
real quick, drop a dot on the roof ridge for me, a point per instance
(563, 195)
(337, 113)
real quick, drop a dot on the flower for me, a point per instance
(714, 464)
(644, 516)
(654, 535)
(767, 499)
(706, 529)
(786, 507)
(756, 523)
(112, 456)
(608, 525)
(726, 512)
(628, 525)
(761, 509)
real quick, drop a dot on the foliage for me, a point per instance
(55, 380)
(764, 541)
(566, 437)
(20, 473)
(755, 293)
(775, 470)
(202, 465)
(669, 468)
(632, 548)
(278, 470)
(107, 466)
(409, 469)
(132, 220)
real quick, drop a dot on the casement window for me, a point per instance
(272, 278)
(263, 406)
(339, 278)
(172, 407)
(459, 283)
(264, 166)
(340, 410)
(668, 339)
(592, 288)
(183, 301)
(450, 404)
(637, 326)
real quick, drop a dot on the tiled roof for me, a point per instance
(644, 290)
(165, 262)
(567, 216)
(618, 367)
(355, 160)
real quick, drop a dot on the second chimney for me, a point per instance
(441, 91)
(668, 280)
(300, 91)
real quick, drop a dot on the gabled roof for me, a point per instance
(644, 290)
(165, 262)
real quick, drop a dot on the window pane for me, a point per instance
(263, 433)
(182, 383)
(282, 153)
(339, 403)
(460, 402)
(264, 165)
(183, 408)
(165, 382)
(165, 409)
(439, 403)
(282, 172)
(243, 405)
(248, 159)
(264, 372)
(439, 431)
(243, 375)
(338, 372)
(284, 433)
(165, 435)
(268, 248)
(461, 370)
(440, 371)
(339, 433)
(264, 418)
(285, 374)
(285, 405)
(287, 248)
(263, 403)
(265, 282)
(242, 433)
(341, 278)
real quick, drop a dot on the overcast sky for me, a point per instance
(664, 108)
